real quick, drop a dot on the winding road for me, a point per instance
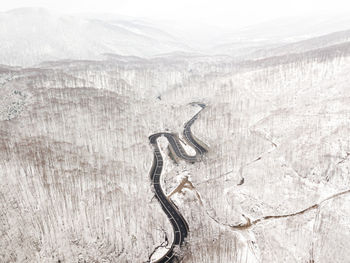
(177, 221)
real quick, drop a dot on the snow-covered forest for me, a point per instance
(75, 155)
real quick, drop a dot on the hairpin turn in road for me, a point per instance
(177, 221)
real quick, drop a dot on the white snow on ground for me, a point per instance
(75, 157)
(159, 253)
(188, 149)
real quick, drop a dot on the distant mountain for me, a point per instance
(316, 43)
(284, 35)
(291, 29)
(32, 35)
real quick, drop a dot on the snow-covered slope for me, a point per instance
(281, 34)
(33, 35)
(320, 42)
(274, 186)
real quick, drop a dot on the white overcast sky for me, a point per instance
(219, 12)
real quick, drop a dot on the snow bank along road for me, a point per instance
(179, 224)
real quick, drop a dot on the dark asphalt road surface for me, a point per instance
(179, 224)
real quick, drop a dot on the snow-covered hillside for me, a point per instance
(33, 35)
(75, 156)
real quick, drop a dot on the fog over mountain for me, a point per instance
(34, 35)
(135, 140)
(38, 35)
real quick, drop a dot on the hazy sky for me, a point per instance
(220, 12)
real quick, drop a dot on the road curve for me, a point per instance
(177, 221)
